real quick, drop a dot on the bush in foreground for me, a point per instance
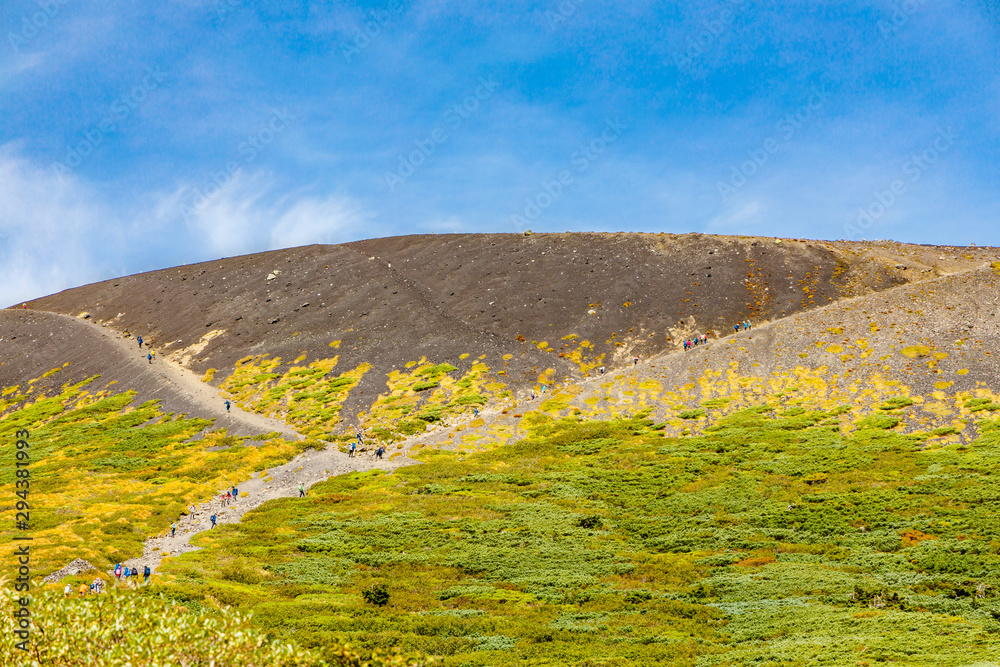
(122, 628)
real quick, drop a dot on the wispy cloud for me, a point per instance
(59, 231)
(50, 228)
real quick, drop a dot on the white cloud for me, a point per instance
(48, 224)
(246, 216)
(57, 232)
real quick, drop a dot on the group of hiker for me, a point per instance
(96, 586)
(127, 573)
(229, 496)
(701, 339)
(150, 353)
(352, 450)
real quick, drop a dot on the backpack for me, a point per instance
(146, 571)
(236, 492)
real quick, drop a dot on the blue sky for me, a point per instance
(136, 136)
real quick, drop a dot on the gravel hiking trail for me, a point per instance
(282, 481)
(166, 372)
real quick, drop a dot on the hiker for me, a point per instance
(302, 491)
(83, 590)
(635, 360)
(173, 528)
(736, 328)
(213, 521)
(149, 357)
(227, 405)
(601, 370)
(145, 574)
(475, 412)
(379, 452)
(68, 591)
(360, 441)
(118, 571)
(350, 452)
(139, 338)
(236, 493)
(532, 393)
(125, 573)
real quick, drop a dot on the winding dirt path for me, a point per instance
(282, 481)
(165, 371)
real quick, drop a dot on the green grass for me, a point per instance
(790, 531)
(107, 474)
(772, 538)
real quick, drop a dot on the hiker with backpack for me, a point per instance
(139, 338)
(302, 490)
(213, 521)
(145, 574)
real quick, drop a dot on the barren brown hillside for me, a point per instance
(396, 300)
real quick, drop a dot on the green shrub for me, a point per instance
(878, 422)
(377, 595)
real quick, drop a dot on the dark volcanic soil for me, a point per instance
(395, 300)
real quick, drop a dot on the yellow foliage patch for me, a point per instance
(915, 351)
